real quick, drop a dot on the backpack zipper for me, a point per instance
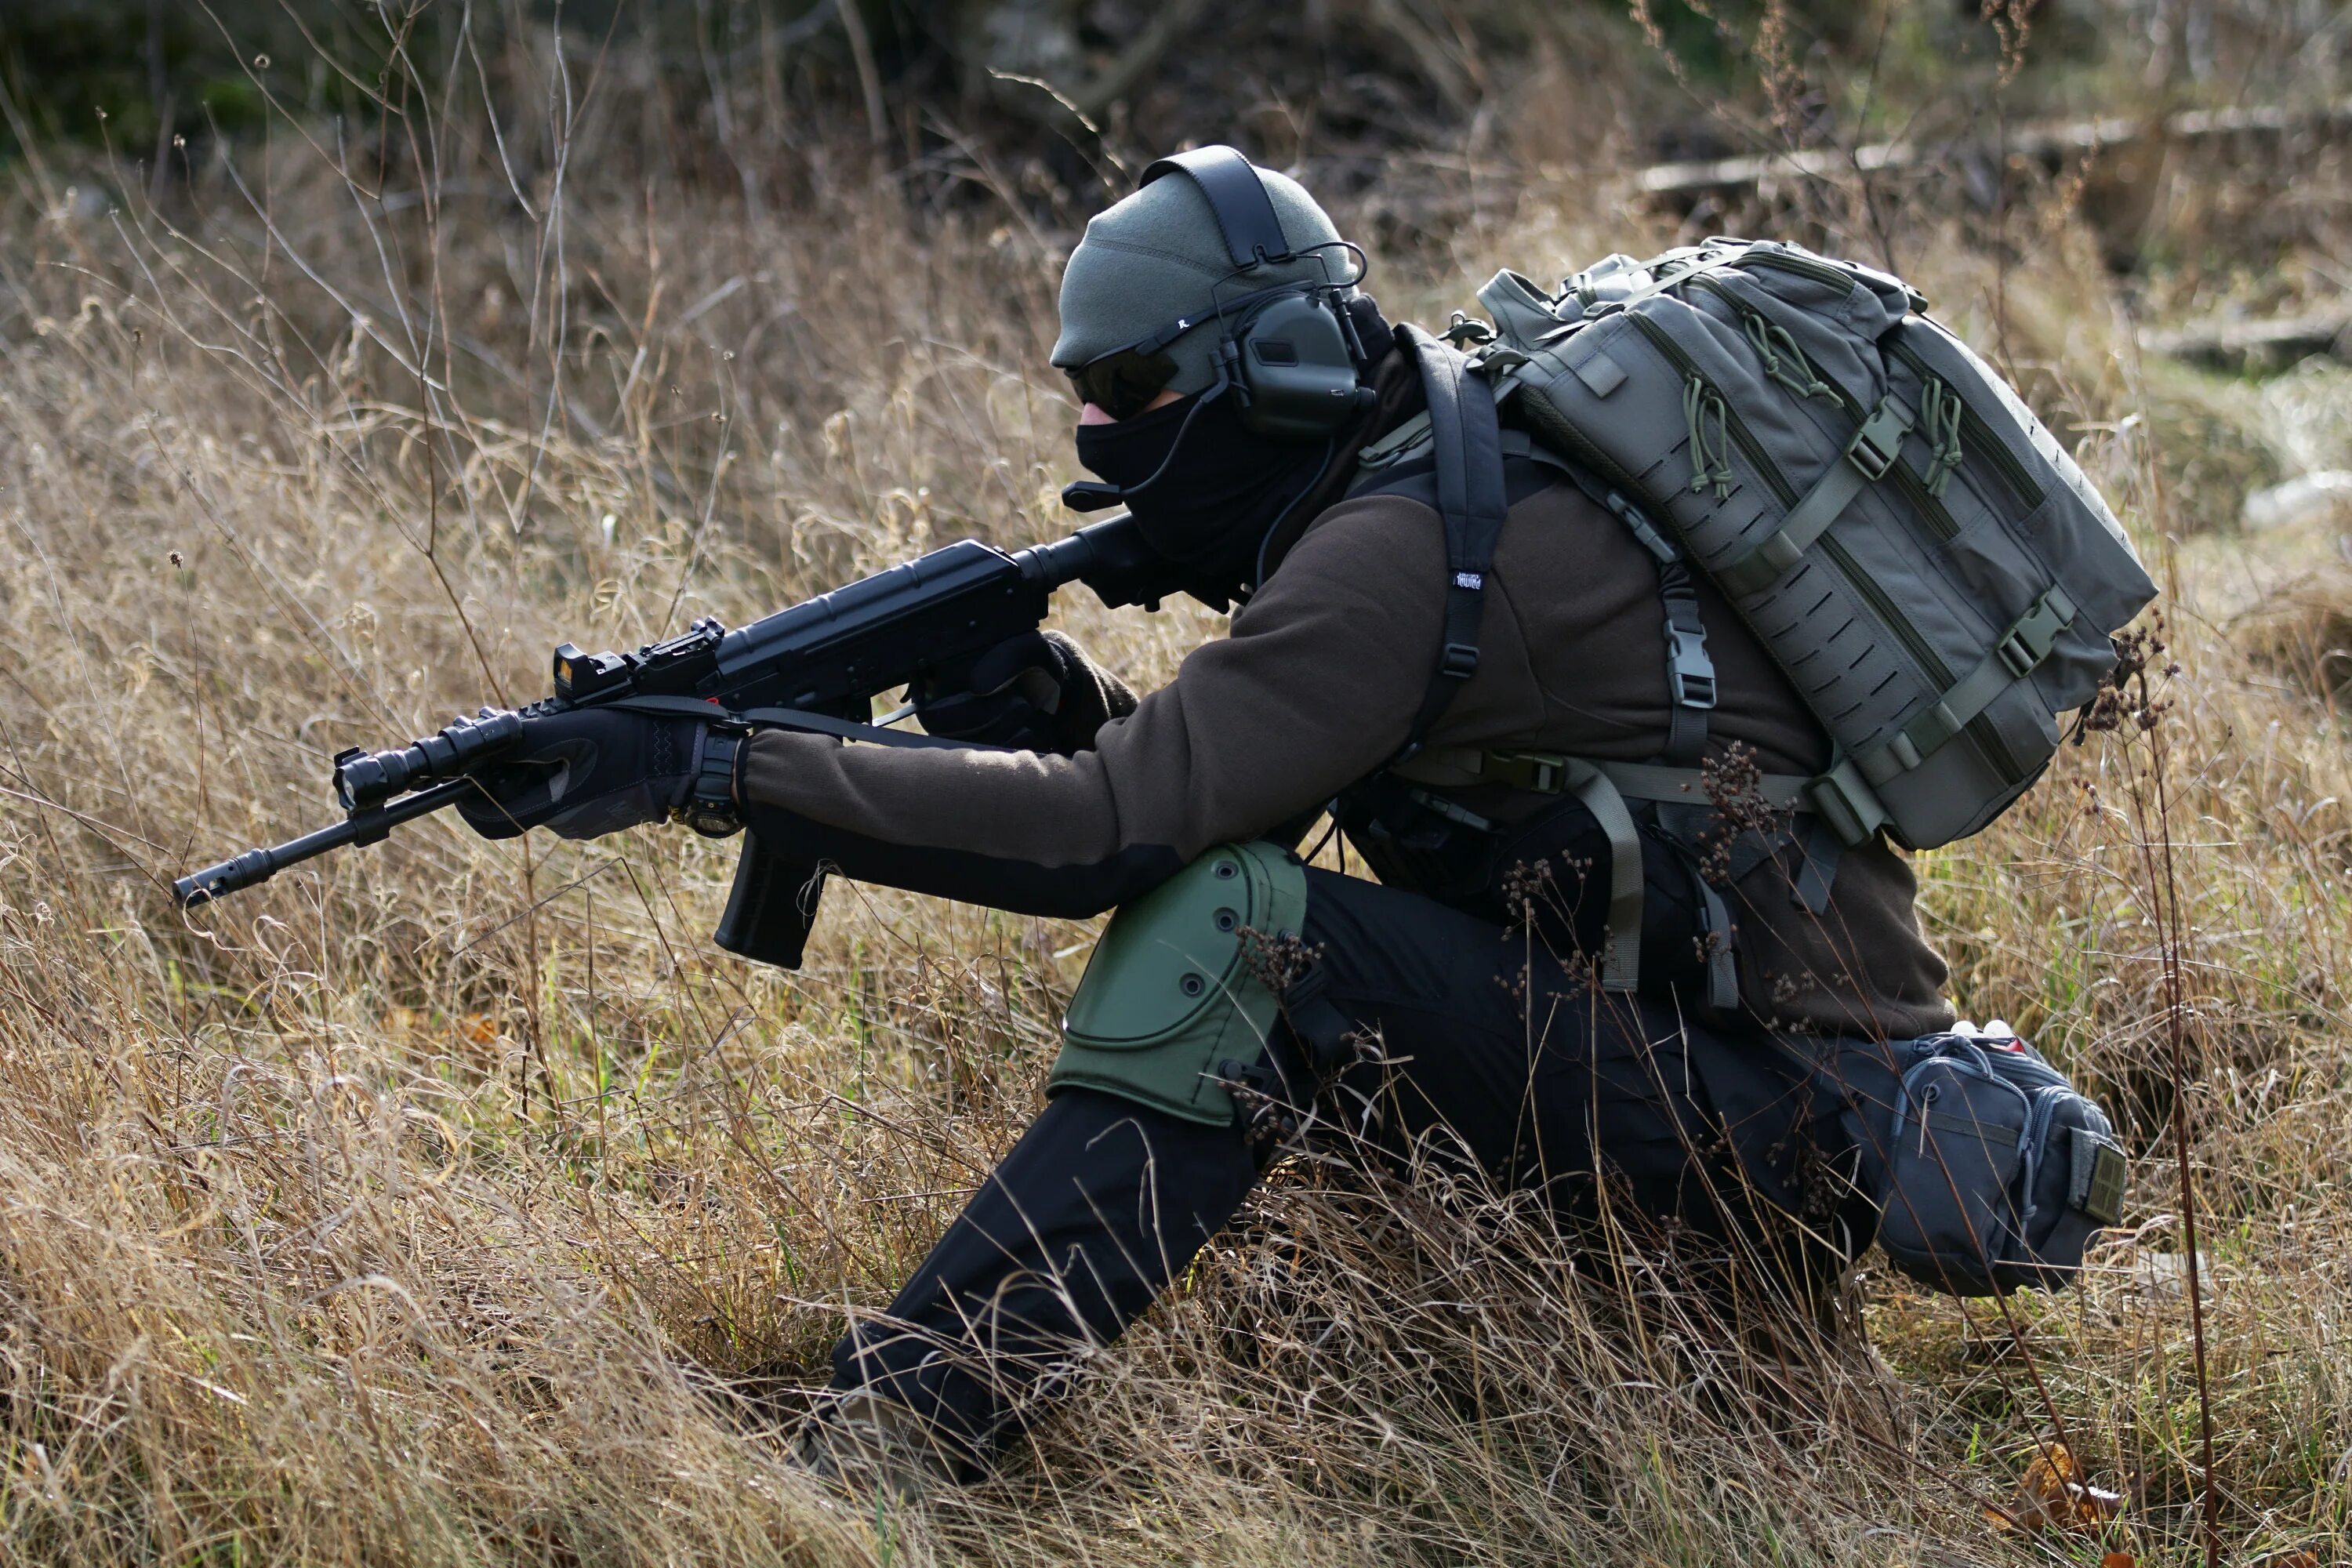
(2043, 1110)
(1786, 261)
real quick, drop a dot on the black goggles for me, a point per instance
(1123, 381)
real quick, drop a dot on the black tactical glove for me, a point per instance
(586, 774)
(1035, 693)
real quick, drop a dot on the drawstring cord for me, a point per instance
(1804, 381)
(1710, 464)
(1940, 410)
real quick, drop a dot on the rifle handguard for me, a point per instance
(364, 778)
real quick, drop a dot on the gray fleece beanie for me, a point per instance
(1159, 254)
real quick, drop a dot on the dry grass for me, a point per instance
(455, 1202)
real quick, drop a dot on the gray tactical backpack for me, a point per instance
(1910, 544)
(1913, 548)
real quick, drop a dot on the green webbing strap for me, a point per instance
(1648, 781)
(1876, 447)
(1548, 773)
(1817, 872)
(1722, 972)
(1621, 967)
(1604, 788)
(2022, 648)
(1519, 444)
(1412, 433)
(1660, 285)
(1553, 773)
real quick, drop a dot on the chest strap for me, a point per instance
(1690, 670)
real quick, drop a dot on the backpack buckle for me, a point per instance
(1538, 773)
(1460, 660)
(1693, 671)
(1879, 443)
(2029, 640)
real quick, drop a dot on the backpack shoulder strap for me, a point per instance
(1466, 443)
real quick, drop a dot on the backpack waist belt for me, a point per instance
(1682, 811)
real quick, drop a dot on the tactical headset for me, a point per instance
(1288, 354)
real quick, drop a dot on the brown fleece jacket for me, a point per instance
(1313, 689)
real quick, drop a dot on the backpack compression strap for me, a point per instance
(1467, 442)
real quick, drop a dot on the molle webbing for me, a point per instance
(1876, 447)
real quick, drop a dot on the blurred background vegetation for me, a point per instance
(458, 1203)
(1409, 107)
(1031, 76)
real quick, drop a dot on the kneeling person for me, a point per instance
(1249, 405)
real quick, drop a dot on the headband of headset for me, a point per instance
(1245, 213)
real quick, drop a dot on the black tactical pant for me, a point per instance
(1482, 1047)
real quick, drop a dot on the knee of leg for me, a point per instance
(1175, 999)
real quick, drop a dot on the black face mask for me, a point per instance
(1223, 488)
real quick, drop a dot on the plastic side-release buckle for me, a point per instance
(1538, 773)
(2028, 642)
(1694, 671)
(1643, 529)
(1879, 442)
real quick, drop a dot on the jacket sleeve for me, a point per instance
(1314, 687)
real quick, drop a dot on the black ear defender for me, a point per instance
(1290, 351)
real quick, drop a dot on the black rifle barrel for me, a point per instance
(1109, 556)
(361, 827)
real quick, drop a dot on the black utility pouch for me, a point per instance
(1998, 1172)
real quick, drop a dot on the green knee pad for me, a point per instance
(1168, 994)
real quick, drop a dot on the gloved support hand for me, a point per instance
(1035, 693)
(588, 773)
